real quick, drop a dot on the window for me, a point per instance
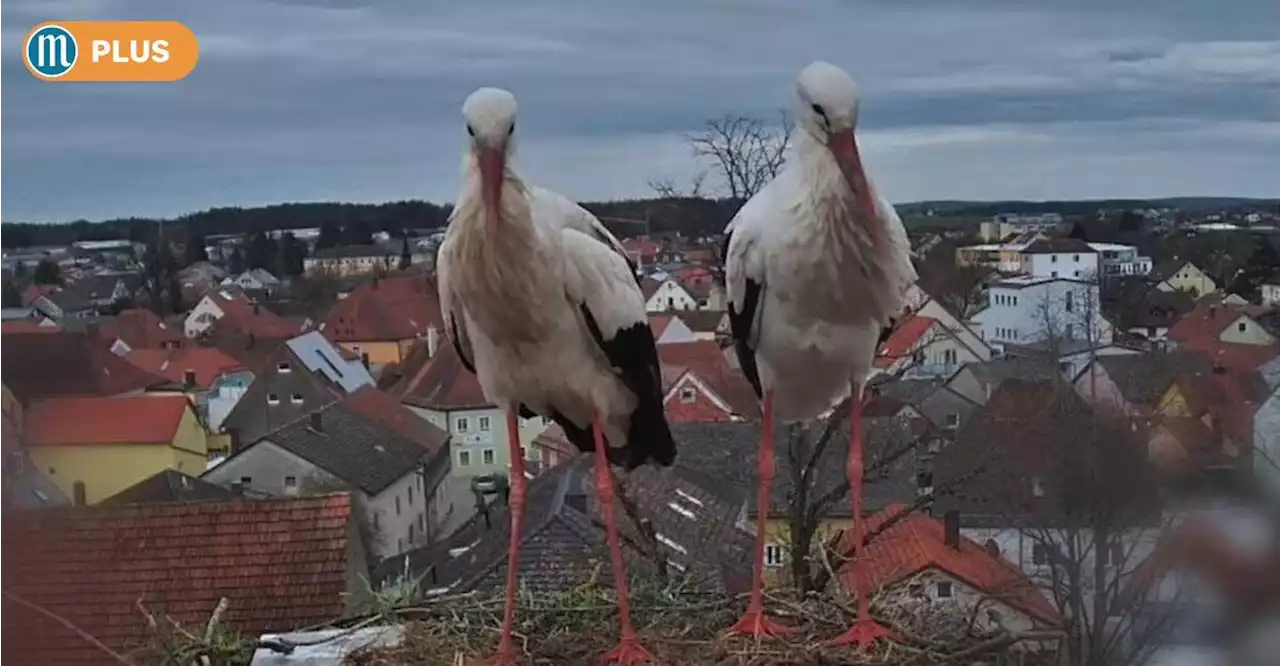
(296, 398)
(487, 456)
(483, 422)
(422, 521)
(1075, 258)
(410, 495)
(399, 545)
(246, 480)
(916, 590)
(953, 421)
(924, 479)
(773, 555)
(1053, 258)
(462, 424)
(1070, 302)
(375, 515)
(290, 482)
(397, 505)
(1054, 274)
(944, 590)
(949, 356)
(78, 493)
(282, 366)
(411, 526)
(273, 399)
(1242, 327)
(688, 394)
(1069, 332)
(464, 458)
(1039, 554)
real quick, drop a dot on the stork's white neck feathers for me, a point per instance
(821, 193)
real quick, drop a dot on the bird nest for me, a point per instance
(684, 628)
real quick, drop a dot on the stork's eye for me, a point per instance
(470, 131)
(512, 130)
(817, 108)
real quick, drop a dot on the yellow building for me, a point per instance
(92, 448)
(385, 318)
(1179, 275)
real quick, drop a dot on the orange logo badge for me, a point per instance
(110, 51)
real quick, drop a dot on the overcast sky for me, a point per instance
(310, 100)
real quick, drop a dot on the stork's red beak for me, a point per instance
(492, 165)
(845, 150)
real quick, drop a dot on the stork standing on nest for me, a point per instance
(543, 306)
(818, 266)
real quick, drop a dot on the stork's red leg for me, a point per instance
(506, 655)
(865, 630)
(629, 650)
(754, 623)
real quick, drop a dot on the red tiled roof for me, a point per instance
(649, 287)
(393, 308)
(1231, 397)
(209, 363)
(554, 439)
(707, 362)
(34, 291)
(917, 543)
(1232, 355)
(908, 333)
(243, 317)
(658, 323)
(138, 419)
(28, 326)
(439, 382)
(381, 408)
(1204, 324)
(281, 564)
(140, 329)
(67, 363)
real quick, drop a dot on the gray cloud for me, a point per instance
(316, 100)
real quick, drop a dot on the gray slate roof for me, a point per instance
(358, 450)
(564, 538)
(168, 486)
(1143, 378)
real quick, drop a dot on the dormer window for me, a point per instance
(273, 399)
(282, 366)
(688, 394)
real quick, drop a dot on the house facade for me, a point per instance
(382, 320)
(1028, 310)
(1185, 276)
(92, 448)
(669, 296)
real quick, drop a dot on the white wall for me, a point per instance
(1078, 265)
(1027, 314)
(470, 441)
(965, 597)
(678, 331)
(267, 467)
(671, 296)
(1271, 294)
(201, 317)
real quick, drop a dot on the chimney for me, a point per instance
(433, 341)
(234, 445)
(1213, 310)
(188, 379)
(951, 529)
(316, 422)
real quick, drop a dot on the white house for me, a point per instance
(668, 296)
(1028, 310)
(398, 475)
(210, 309)
(1059, 257)
(257, 279)
(479, 438)
(1117, 260)
(1271, 292)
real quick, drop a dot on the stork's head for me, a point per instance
(827, 108)
(491, 124)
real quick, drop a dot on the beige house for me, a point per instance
(1182, 275)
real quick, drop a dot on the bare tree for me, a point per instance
(958, 287)
(667, 188)
(743, 152)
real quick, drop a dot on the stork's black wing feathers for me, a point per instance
(456, 337)
(633, 353)
(740, 324)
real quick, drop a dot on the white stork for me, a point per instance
(543, 306)
(818, 266)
